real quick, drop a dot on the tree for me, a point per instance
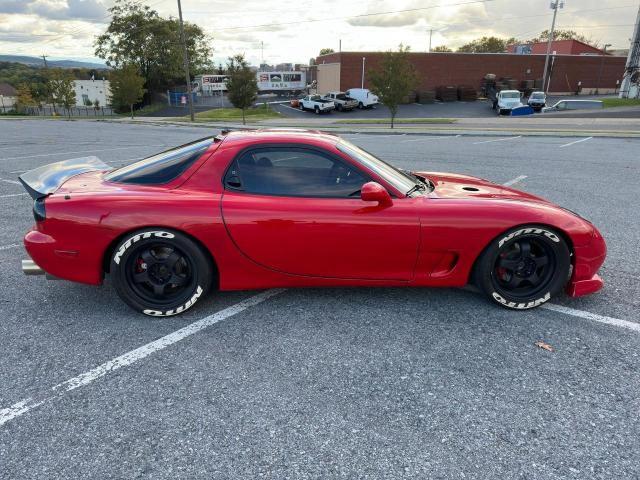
(61, 89)
(138, 35)
(127, 87)
(486, 45)
(559, 35)
(441, 48)
(242, 86)
(394, 79)
(25, 98)
(326, 51)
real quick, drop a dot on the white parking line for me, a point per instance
(513, 181)
(24, 406)
(498, 140)
(7, 247)
(13, 195)
(592, 316)
(573, 143)
(73, 153)
(14, 182)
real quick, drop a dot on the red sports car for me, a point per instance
(288, 208)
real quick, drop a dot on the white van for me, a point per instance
(363, 96)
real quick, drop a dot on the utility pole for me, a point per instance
(187, 77)
(362, 81)
(601, 67)
(554, 5)
(44, 59)
(261, 52)
(430, 35)
(633, 61)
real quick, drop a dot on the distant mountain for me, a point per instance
(38, 62)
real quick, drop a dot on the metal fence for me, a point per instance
(48, 111)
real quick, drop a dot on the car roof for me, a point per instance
(280, 135)
(509, 91)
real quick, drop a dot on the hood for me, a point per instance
(45, 180)
(451, 185)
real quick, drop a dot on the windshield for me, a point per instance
(537, 95)
(315, 98)
(510, 94)
(399, 179)
(341, 96)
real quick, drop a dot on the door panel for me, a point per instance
(325, 237)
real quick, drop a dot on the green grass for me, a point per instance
(380, 121)
(620, 102)
(235, 114)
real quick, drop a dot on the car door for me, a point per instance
(298, 210)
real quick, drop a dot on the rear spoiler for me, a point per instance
(45, 180)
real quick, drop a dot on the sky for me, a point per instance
(295, 31)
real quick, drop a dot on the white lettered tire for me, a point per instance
(524, 267)
(160, 272)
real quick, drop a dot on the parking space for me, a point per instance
(327, 383)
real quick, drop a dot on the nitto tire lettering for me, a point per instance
(550, 235)
(137, 238)
(175, 311)
(520, 306)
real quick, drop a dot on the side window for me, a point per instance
(295, 172)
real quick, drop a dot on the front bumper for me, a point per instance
(587, 261)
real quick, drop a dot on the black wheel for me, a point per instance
(317, 110)
(524, 268)
(160, 272)
(301, 107)
(360, 105)
(339, 107)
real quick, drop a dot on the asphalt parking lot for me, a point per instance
(473, 109)
(327, 383)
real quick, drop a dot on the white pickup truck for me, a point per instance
(507, 100)
(317, 104)
(341, 100)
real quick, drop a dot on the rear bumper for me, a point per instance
(59, 261)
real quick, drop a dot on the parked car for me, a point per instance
(564, 105)
(295, 208)
(507, 100)
(341, 100)
(364, 97)
(537, 100)
(316, 103)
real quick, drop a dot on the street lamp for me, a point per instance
(604, 54)
(554, 5)
(362, 81)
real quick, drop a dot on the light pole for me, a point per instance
(362, 80)
(430, 35)
(604, 54)
(554, 5)
(186, 63)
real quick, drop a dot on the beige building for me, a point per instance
(8, 97)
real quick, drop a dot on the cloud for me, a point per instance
(14, 6)
(88, 10)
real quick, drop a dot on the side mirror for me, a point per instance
(374, 192)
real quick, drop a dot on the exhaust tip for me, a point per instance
(29, 267)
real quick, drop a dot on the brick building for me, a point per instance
(341, 71)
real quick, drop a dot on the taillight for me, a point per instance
(38, 209)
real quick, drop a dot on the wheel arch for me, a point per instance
(564, 234)
(106, 257)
